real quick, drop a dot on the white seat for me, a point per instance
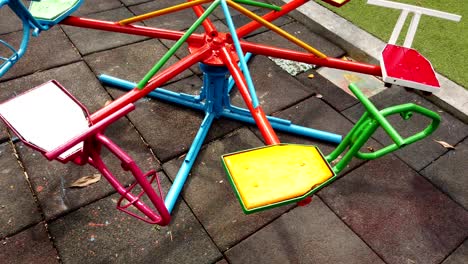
(46, 117)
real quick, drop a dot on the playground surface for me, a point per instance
(408, 207)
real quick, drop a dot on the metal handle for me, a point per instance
(377, 115)
(406, 111)
(94, 129)
(368, 124)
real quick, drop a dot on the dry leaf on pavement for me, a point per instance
(85, 181)
(444, 144)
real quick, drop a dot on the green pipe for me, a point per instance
(259, 4)
(368, 124)
(377, 115)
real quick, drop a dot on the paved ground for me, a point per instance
(408, 207)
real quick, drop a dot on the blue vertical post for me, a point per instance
(214, 83)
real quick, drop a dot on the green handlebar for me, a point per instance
(368, 124)
(377, 115)
(403, 109)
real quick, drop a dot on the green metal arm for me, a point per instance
(378, 116)
(406, 111)
(368, 124)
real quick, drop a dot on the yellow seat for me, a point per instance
(275, 175)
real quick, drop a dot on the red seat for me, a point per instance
(407, 67)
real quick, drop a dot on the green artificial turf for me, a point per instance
(443, 42)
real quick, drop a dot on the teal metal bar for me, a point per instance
(240, 54)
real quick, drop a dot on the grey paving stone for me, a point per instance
(52, 48)
(30, 246)
(89, 7)
(449, 173)
(274, 87)
(90, 40)
(223, 261)
(9, 22)
(333, 95)
(421, 153)
(99, 233)
(308, 234)
(18, 208)
(131, 62)
(170, 129)
(50, 180)
(459, 256)
(397, 212)
(301, 32)
(3, 131)
(175, 21)
(210, 196)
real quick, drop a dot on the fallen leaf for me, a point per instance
(444, 144)
(371, 149)
(107, 102)
(310, 76)
(319, 96)
(85, 181)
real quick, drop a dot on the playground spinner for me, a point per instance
(263, 177)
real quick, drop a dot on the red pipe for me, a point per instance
(161, 78)
(210, 29)
(130, 29)
(360, 67)
(254, 25)
(257, 113)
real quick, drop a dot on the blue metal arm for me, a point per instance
(28, 23)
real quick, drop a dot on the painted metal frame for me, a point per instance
(354, 141)
(90, 153)
(29, 24)
(214, 98)
(392, 60)
(218, 54)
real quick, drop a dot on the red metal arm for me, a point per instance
(161, 78)
(266, 50)
(210, 29)
(130, 29)
(257, 113)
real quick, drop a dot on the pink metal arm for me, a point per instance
(93, 140)
(94, 129)
(159, 216)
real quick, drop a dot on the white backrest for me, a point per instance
(46, 117)
(418, 11)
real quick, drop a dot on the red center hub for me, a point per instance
(216, 41)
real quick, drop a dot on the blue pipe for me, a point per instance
(158, 93)
(187, 164)
(230, 111)
(287, 126)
